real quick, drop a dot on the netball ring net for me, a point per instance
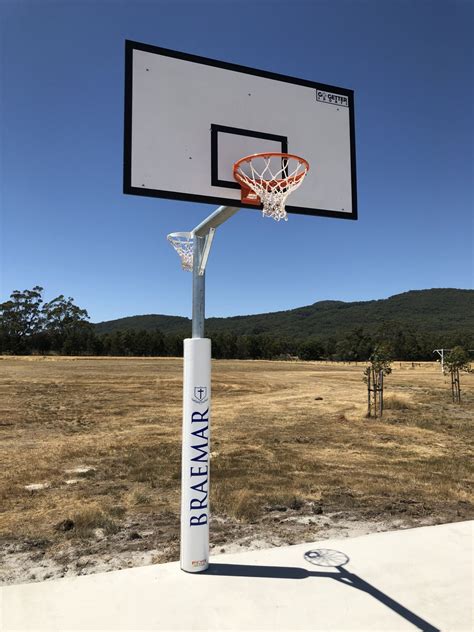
(183, 244)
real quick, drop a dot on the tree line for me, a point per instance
(28, 325)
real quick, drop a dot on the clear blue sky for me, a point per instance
(67, 226)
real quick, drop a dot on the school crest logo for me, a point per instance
(200, 394)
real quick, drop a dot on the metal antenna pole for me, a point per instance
(440, 352)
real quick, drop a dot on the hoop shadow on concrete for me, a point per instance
(328, 558)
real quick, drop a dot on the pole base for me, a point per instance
(194, 555)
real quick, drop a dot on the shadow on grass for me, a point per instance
(339, 574)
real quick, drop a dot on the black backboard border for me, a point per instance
(128, 189)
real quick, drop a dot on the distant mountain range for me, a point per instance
(439, 310)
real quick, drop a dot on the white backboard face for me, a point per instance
(189, 118)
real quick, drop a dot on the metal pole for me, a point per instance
(199, 287)
(440, 352)
(195, 471)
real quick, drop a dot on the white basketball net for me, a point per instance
(183, 244)
(272, 178)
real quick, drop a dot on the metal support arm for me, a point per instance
(203, 235)
(220, 215)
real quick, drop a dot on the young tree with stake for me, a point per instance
(457, 360)
(373, 376)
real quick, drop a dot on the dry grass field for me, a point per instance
(293, 458)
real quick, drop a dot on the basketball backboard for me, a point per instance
(188, 119)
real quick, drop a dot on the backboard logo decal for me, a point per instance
(200, 394)
(333, 99)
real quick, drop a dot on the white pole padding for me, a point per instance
(195, 455)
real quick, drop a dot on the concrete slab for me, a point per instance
(398, 580)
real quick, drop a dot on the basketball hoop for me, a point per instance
(183, 244)
(268, 179)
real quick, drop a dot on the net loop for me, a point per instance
(183, 244)
(268, 179)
